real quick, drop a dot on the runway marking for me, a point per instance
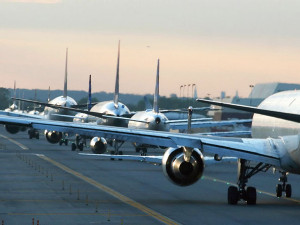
(112, 192)
(15, 142)
(77, 214)
(259, 191)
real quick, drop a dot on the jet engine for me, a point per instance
(178, 170)
(13, 129)
(53, 136)
(98, 145)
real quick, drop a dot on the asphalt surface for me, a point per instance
(50, 184)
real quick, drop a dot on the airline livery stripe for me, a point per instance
(112, 192)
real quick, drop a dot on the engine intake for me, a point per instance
(53, 136)
(13, 129)
(179, 171)
(98, 145)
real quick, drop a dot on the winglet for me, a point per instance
(90, 93)
(116, 97)
(156, 94)
(66, 77)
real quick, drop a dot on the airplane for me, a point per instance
(274, 144)
(50, 112)
(14, 106)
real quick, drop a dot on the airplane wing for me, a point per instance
(16, 114)
(277, 114)
(228, 133)
(202, 124)
(155, 159)
(260, 150)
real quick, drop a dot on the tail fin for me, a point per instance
(116, 97)
(15, 93)
(90, 94)
(49, 94)
(156, 94)
(66, 77)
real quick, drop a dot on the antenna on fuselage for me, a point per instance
(156, 94)
(90, 94)
(116, 97)
(66, 77)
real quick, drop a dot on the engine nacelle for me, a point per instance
(179, 171)
(13, 129)
(53, 136)
(98, 145)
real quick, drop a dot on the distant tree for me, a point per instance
(4, 98)
(85, 100)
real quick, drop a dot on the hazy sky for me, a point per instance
(219, 45)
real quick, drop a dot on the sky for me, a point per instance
(218, 45)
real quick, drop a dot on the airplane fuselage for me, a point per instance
(53, 114)
(153, 121)
(286, 133)
(108, 108)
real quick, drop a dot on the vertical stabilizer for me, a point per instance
(190, 113)
(66, 77)
(49, 94)
(116, 97)
(15, 93)
(90, 94)
(156, 94)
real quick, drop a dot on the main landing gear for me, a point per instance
(245, 171)
(287, 188)
(80, 142)
(116, 145)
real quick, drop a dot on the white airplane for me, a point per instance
(275, 143)
(51, 112)
(14, 106)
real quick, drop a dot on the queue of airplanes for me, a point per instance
(275, 141)
(112, 113)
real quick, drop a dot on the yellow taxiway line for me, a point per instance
(112, 192)
(15, 142)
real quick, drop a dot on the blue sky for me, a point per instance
(219, 45)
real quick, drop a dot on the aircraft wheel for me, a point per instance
(60, 142)
(30, 136)
(251, 195)
(37, 136)
(66, 142)
(73, 146)
(278, 190)
(112, 153)
(80, 146)
(288, 191)
(233, 195)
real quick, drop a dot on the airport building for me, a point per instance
(257, 95)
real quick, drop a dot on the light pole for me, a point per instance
(188, 91)
(181, 86)
(183, 90)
